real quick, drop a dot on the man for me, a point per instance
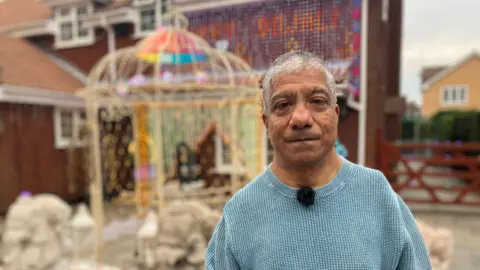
(312, 209)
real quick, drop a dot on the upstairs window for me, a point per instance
(82, 10)
(142, 2)
(65, 11)
(71, 31)
(66, 31)
(454, 95)
(149, 16)
(147, 20)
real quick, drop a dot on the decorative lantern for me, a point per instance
(147, 238)
(82, 227)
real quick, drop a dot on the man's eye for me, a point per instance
(319, 101)
(282, 105)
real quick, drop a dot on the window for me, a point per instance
(147, 20)
(82, 31)
(164, 7)
(71, 31)
(65, 11)
(149, 16)
(142, 2)
(66, 31)
(67, 122)
(82, 10)
(454, 95)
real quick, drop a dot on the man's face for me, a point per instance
(302, 119)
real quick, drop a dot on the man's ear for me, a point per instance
(265, 121)
(337, 112)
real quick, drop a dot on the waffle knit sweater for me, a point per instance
(357, 222)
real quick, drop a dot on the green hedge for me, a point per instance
(444, 126)
(456, 126)
(415, 129)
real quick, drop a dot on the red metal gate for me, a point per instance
(438, 173)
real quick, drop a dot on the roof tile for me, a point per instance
(14, 12)
(24, 64)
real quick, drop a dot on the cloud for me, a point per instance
(436, 32)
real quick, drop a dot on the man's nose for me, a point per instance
(301, 117)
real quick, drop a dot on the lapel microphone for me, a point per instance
(306, 196)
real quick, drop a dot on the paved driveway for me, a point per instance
(465, 227)
(466, 230)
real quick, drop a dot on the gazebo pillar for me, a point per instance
(96, 181)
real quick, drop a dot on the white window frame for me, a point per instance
(73, 18)
(140, 32)
(137, 3)
(146, 5)
(449, 89)
(62, 142)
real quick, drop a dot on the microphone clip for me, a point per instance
(306, 196)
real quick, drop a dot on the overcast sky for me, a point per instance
(436, 32)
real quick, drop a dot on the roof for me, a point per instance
(119, 3)
(24, 64)
(429, 72)
(447, 70)
(114, 4)
(15, 12)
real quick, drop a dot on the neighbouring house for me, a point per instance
(453, 87)
(75, 34)
(37, 110)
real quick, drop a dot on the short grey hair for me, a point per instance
(293, 62)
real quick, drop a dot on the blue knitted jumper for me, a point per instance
(357, 222)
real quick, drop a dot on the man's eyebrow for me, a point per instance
(318, 91)
(314, 91)
(280, 95)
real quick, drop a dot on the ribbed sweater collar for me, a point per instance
(335, 184)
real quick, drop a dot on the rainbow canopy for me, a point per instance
(169, 46)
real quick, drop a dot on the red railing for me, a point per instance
(448, 174)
